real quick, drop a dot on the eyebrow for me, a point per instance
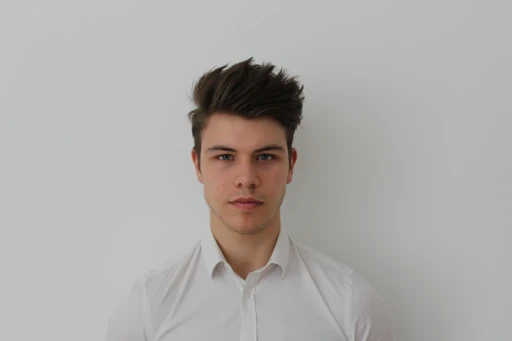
(269, 147)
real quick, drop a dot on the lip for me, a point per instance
(246, 203)
(247, 200)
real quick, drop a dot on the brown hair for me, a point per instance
(248, 90)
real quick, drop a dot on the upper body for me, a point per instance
(247, 280)
(300, 294)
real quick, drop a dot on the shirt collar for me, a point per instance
(212, 255)
(281, 253)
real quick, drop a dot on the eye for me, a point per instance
(222, 157)
(267, 157)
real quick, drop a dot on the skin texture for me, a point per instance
(246, 237)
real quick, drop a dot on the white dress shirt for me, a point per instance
(300, 295)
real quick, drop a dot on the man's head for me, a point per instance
(243, 130)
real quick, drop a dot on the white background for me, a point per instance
(404, 152)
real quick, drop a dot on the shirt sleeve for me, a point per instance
(127, 322)
(370, 317)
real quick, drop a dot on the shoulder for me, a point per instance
(156, 281)
(361, 309)
(319, 262)
(132, 319)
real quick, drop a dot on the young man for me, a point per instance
(247, 279)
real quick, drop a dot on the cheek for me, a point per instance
(217, 185)
(276, 181)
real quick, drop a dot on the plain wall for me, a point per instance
(404, 152)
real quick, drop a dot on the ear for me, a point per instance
(292, 165)
(195, 159)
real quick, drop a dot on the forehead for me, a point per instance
(239, 132)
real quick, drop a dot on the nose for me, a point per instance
(246, 175)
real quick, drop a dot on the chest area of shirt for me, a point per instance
(264, 307)
(224, 326)
(250, 316)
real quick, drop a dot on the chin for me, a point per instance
(247, 229)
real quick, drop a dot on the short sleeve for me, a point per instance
(127, 322)
(370, 317)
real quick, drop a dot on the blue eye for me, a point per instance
(262, 157)
(220, 157)
(267, 157)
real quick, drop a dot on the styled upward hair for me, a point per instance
(248, 90)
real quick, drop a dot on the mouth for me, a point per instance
(246, 204)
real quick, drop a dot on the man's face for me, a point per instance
(234, 165)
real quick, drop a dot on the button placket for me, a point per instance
(248, 308)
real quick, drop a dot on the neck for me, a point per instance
(246, 253)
